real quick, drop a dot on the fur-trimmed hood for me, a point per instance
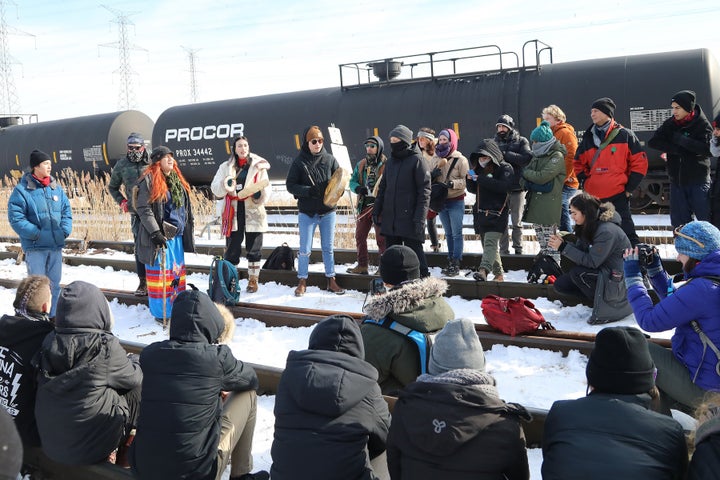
(607, 213)
(405, 298)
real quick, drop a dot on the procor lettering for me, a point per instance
(208, 132)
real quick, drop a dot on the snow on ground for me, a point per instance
(532, 377)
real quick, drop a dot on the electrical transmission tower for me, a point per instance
(9, 101)
(193, 79)
(126, 95)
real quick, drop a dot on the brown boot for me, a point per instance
(334, 287)
(141, 290)
(359, 270)
(253, 275)
(300, 290)
(252, 285)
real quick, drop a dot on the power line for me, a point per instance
(9, 100)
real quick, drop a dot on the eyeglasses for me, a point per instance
(135, 148)
(315, 141)
(678, 233)
(371, 145)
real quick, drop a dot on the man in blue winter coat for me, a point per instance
(39, 212)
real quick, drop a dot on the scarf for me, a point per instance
(689, 118)
(43, 181)
(177, 192)
(467, 377)
(599, 133)
(541, 148)
(242, 162)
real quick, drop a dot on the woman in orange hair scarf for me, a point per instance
(162, 202)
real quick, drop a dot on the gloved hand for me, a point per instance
(124, 205)
(257, 194)
(436, 172)
(581, 177)
(450, 184)
(318, 190)
(680, 139)
(158, 239)
(631, 266)
(655, 266)
(362, 190)
(229, 185)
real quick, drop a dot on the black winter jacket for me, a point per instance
(516, 151)
(81, 414)
(308, 170)
(705, 463)
(687, 148)
(179, 423)
(456, 432)
(20, 339)
(491, 188)
(604, 436)
(330, 417)
(403, 197)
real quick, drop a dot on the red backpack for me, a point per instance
(513, 316)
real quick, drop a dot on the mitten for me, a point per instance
(655, 266)
(229, 185)
(632, 270)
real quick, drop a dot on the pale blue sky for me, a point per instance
(252, 48)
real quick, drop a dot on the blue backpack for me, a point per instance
(224, 282)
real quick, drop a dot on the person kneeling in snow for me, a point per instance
(399, 321)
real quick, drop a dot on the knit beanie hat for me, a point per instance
(697, 239)
(159, 152)
(506, 120)
(135, 138)
(620, 362)
(399, 264)
(37, 157)
(312, 133)
(456, 346)
(605, 105)
(542, 133)
(686, 99)
(403, 133)
(11, 449)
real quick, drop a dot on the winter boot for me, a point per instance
(122, 459)
(253, 274)
(480, 275)
(334, 287)
(141, 290)
(453, 268)
(359, 270)
(300, 290)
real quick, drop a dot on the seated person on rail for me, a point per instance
(399, 320)
(692, 368)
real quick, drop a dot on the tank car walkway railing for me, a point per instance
(444, 64)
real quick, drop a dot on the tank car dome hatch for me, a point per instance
(9, 121)
(386, 70)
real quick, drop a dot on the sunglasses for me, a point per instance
(371, 145)
(135, 149)
(678, 233)
(315, 141)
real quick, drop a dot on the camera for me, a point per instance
(377, 286)
(646, 253)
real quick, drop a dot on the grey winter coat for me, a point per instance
(151, 218)
(403, 197)
(330, 417)
(418, 305)
(80, 413)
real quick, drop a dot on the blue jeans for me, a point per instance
(565, 222)
(686, 200)
(452, 221)
(48, 263)
(306, 225)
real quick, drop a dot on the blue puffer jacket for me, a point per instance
(698, 299)
(41, 216)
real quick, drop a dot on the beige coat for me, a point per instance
(457, 175)
(255, 215)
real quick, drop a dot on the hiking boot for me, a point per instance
(359, 270)
(252, 285)
(480, 275)
(300, 290)
(518, 251)
(141, 290)
(259, 475)
(453, 269)
(334, 287)
(435, 248)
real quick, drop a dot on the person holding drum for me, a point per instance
(365, 181)
(307, 180)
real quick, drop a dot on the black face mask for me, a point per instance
(134, 156)
(398, 147)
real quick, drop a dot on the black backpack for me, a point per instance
(543, 267)
(282, 258)
(224, 282)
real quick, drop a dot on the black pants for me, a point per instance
(253, 245)
(416, 246)
(622, 207)
(579, 281)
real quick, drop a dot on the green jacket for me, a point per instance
(544, 207)
(126, 173)
(418, 305)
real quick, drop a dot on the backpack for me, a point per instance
(513, 316)
(544, 269)
(423, 341)
(282, 258)
(224, 282)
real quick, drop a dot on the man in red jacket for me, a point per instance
(610, 163)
